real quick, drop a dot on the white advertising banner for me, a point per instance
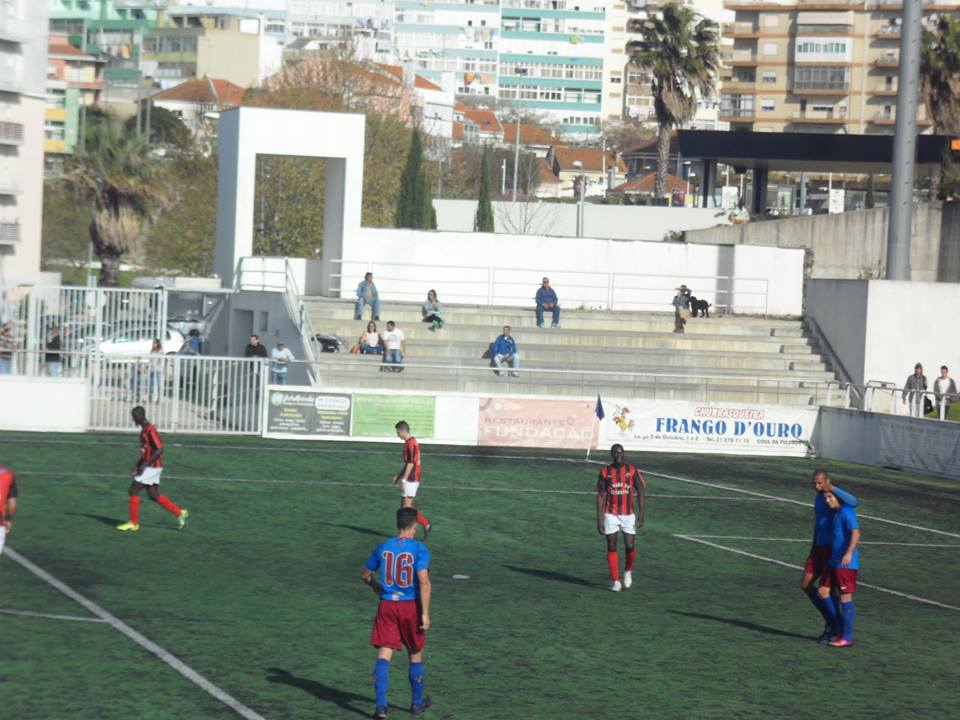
(732, 428)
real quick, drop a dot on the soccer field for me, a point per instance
(257, 609)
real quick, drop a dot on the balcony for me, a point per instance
(807, 118)
(13, 30)
(8, 186)
(883, 91)
(9, 233)
(11, 133)
(742, 58)
(887, 60)
(738, 114)
(824, 87)
(740, 30)
(885, 117)
(888, 33)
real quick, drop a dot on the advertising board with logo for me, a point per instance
(734, 428)
(376, 415)
(537, 423)
(304, 412)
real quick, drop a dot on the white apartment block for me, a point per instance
(23, 76)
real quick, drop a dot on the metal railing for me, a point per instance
(492, 286)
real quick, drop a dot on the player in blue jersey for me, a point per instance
(398, 571)
(817, 565)
(844, 564)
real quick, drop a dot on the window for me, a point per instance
(767, 105)
(770, 48)
(616, 80)
(769, 76)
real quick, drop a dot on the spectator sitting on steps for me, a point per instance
(370, 342)
(547, 300)
(504, 349)
(367, 295)
(432, 311)
(394, 348)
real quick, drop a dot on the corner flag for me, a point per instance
(599, 408)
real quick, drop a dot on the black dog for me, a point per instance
(699, 306)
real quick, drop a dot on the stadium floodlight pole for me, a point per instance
(904, 146)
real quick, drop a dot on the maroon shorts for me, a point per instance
(397, 625)
(843, 579)
(817, 561)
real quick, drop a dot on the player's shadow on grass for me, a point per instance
(357, 529)
(113, 522)
(745, 624)
(340, 698)
(551, 575)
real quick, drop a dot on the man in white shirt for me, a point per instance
(394, 348)
(944, 391)
(281, 357)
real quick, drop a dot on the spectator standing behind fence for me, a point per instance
(52, 353)
(196, 343)
(255, 349)
(155, 371)
(547, 300)
(944, 391)
(281, 357)
(504, 349)
(369, 342)
(394, 348)
(432, 311)
(7, 347)
(367, 295)
(681, 309)
(913, 390)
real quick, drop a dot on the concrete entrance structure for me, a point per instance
(246, 132)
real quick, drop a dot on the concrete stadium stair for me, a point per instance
(732, 358)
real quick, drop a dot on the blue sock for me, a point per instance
(838, 619)
(416, 683)
(381, 679)
(824, 606)
(847, 620)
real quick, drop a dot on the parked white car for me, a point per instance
(139, 341)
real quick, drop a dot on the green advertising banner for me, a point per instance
(299, 412)
(375, 415)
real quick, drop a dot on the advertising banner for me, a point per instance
(536, 423)
(304, 412)
(735, 428)
(376, 415)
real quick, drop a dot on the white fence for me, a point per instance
(517, 286)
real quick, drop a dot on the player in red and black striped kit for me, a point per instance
(146, 474)
(409, 477)
(617, 487)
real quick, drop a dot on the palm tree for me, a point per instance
(116, 173)
(680, 50)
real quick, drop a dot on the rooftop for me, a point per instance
(209, 91)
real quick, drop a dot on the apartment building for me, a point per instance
(241, 46)
(112, 30)
(74, 82)
(367, 25)
(827, 66)
(23, 62)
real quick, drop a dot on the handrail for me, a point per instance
(832, 356)
(299, 316)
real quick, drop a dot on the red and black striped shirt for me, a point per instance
(411, 454)
(150, 442)
(619, 483)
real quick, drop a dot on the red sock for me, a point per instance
(421, 519)
(165, 503)
(614, 562)
(135, 509)
(631, 556)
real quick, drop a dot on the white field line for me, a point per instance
(121, 627)
(807, 540)
(744, 553)
(48, 616)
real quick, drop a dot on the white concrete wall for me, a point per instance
(43, 403)
(882, 328)
(911, 322)
(617, 222)
(507, 269)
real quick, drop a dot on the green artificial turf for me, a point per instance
(261, 594)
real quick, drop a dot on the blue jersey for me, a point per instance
(844, 522)
(397, 561)
(822, 532)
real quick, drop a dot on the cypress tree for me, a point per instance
(415, 201)
(483, 220)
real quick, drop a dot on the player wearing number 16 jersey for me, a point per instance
(619, 483)
(398, 571)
